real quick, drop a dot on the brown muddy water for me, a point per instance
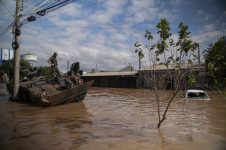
(110, 118)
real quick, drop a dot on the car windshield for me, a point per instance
(196, 95)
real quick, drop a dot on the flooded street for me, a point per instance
(111, 118)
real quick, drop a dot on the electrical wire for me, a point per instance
(98, 23)
(11, 13)
(36, 6)
(4, 31)
(55, 13)
(43, 3)
(6, 40)
(55, 6)
(92, 20)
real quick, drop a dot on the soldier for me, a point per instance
(74, 74)
(53, 62)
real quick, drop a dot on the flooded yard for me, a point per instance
(112, 118)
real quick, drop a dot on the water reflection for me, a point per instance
(58, 127)
(111, 118)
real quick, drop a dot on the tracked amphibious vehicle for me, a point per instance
(49, 91)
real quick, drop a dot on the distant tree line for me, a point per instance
(25, 69)
(8, 67)
(215, 60)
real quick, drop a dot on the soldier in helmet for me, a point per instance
(53, 62)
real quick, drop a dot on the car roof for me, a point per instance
(196, 91)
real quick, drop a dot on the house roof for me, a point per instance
(123, 73)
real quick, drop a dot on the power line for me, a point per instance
(55, 6)
(44, 11)
(4, 31)
(55, 13)
(107, 26)
(6, 41)
(38, 7)
(11, 14)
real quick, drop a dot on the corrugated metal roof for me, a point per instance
(123, 73)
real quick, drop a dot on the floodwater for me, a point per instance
(110, 119)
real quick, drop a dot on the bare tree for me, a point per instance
(173, 55)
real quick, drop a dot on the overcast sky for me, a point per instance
(102, 33)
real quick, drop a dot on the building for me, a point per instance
(165, 76)
(30, 58)
(127, 68)
(144, 78)
(125, 79)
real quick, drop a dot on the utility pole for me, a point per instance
(139, 59)
(139, 51)
(199, 62)
(16, 48)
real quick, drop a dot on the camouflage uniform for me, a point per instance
(53, 62)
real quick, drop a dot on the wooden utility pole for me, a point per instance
(139, 63)
(199, 61)
(16, 48)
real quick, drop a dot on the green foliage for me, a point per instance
(224, 89)
(163, 29)
(137, 44)
(191, 80)
(224, 92)
(139, 49)
(164, 33)
(183, 46)
(8, 67)
(141, 55)
(183, 32)
(148, 35)
(215, 58)
(170, 53)
(24, 66)
(45, 71)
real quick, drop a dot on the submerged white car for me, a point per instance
(196, 95)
